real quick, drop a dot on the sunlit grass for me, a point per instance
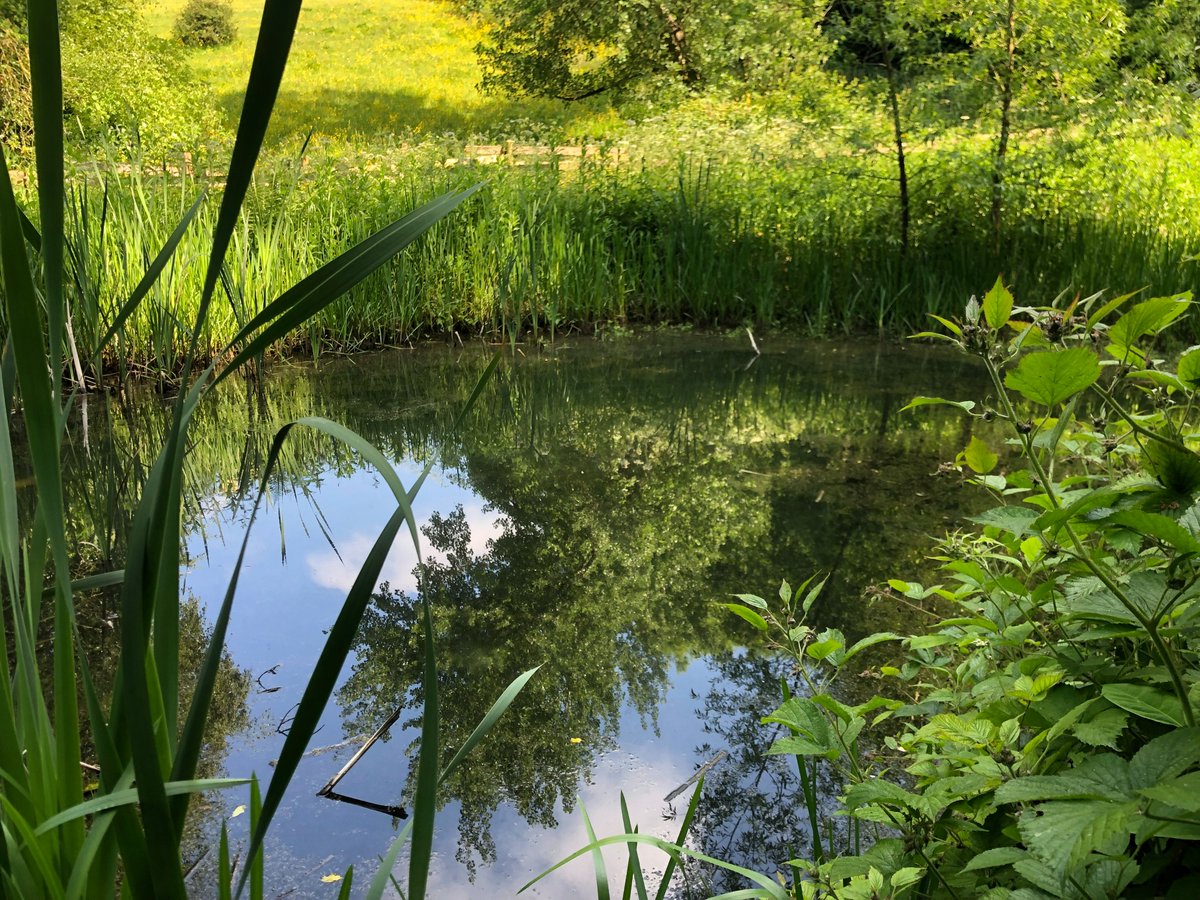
(404, 67)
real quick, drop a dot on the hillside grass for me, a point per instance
(380, 67)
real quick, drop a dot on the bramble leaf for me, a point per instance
(980, 457)
(997, 305)
(1145, 701)
(1148, 317)
(1103, 729)
(1052, 377)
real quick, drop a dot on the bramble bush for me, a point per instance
(1043, 739)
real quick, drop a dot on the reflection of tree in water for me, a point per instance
(752, 811)
(496, 614)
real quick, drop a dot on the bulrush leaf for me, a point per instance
(1053, 377)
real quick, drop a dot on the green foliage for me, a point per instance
(1046, 725)
(577, 49)
(205, 23)
(124, 88)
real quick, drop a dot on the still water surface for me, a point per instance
(601, 502)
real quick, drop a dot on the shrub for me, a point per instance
(205, 23)
(127, 90)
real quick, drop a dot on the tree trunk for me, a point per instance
(678, 43)
(898, 136)
(1005, 74)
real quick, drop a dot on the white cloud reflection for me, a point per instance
(328, 571)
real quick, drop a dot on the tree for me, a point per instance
(1036, 57)
(897, 37)
(576, 49)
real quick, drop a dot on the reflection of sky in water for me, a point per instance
(279, 620)
(636, 490)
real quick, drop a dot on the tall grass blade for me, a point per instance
(308, 297)
(324, 676)
(684, 829)
(256, 861)
(634, 870)
(380, 882)
(275, 33)
(597, 856)
(45, 76)
(424, 803)
(113, 799)
(503, 702)
(43, 422)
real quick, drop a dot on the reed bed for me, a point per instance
(795, 242)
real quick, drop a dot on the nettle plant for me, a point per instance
(1046, 745)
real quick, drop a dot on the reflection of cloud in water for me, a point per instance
(338, 574)
(521, 850)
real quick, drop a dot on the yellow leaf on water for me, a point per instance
(331, 878)
(237, 812)
(576, 740)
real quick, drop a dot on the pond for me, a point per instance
(591, 515)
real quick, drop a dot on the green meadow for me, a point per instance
(401, 68)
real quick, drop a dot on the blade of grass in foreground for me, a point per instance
(684, 828)
(597, 855)
(767, 888)
(324, 677)
(424, 803)
(635, 865)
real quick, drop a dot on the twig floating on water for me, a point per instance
(696, 776)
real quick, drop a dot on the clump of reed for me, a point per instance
(804, 244)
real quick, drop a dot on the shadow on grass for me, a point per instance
(368, 113)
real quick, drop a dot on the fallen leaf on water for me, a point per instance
(331, 878)
(237, 812)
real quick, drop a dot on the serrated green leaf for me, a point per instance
(997, 305)
(1166, 756)
(748, 614)
(752, 600)
(1157, 526)
(1016, 519)
(997, 856)
(1103, 729)
(1188, 370)
(1052, 377)
(1063, 834)
(1146, 318)
(1176, 469)
(1182, 793)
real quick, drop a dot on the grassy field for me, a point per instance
(404, 67)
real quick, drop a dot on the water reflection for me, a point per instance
(597, 505)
